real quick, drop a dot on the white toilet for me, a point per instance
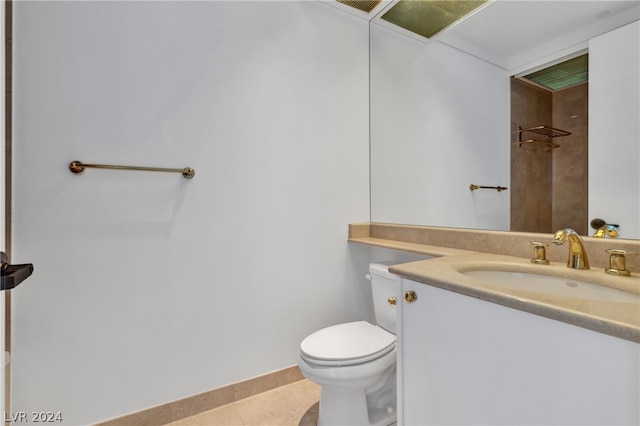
(355, 363)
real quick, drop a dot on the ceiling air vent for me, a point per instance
(428, 17)
(363, 5)
(562, 75)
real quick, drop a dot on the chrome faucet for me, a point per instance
(607, 230)
(577, 254)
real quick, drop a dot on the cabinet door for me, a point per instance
(467, 361)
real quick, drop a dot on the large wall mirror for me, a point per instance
(446, 112)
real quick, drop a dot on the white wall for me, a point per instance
(439, 122)
(614, 132)
(148, 287)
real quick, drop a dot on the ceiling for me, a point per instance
(517, 34)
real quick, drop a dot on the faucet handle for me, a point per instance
(539, 252)
(617, 262)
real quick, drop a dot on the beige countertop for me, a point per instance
(616, 317)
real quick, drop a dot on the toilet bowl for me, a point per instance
(355, 363)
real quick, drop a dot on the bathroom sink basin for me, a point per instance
(553, 286)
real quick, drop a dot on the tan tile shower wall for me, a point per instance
(571, 161)
(531, 171)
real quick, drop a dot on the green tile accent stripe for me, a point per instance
(428, 17)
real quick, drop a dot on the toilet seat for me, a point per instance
(347, 344)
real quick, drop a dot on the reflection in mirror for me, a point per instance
(614, 133)
(438, 124)
(440, 120)
(549, 149)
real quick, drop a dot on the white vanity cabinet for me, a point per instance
(463, 360)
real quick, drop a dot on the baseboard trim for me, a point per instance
(185, 407)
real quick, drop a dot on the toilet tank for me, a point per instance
(383, 286)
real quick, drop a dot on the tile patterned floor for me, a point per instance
(291, 405)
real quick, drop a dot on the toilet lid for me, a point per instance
(350, 343)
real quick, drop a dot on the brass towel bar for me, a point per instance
(497, 188)
(78, 167)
